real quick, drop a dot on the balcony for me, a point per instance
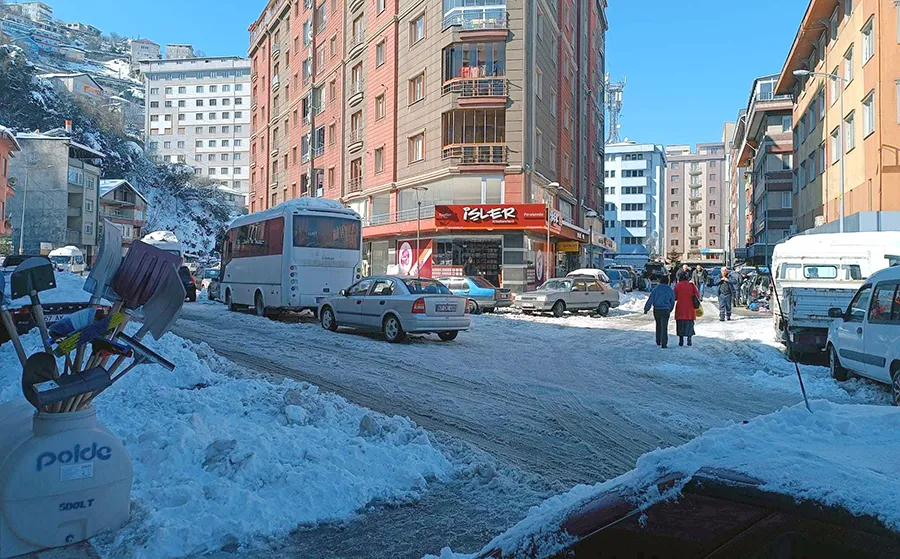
(273, 179)
(356, 92)
(477, 18)
(357, 41)
(477, 154)
(401, 216)
(696, 171)
(318, 150)
(355, 184)
(304, 157)
(695, 196)
(478, 91)
(254, 76)
(276, 50)
(355, 139)
(695, 235)
(276, 82)
(695, 210)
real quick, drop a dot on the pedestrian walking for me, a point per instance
(725, 288)
(469, 269)
(687, 299)
(698, 278)
(662, 300)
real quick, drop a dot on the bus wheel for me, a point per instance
(228, 302)
(258, 305)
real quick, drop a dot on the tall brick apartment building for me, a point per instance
(454, 117)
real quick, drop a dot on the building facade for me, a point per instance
(37, 11)
(736, 191)
(198, 114)
(122, 205)
(635, 201)
(81, 85)
(57, 182)
(179, 52)
(8, 148)
(848, 123)
(763, 146)
(141, 50)
(695, 228)
(411, 111)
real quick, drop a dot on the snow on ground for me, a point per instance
(68, 290)
(839, 455)
(223, 457)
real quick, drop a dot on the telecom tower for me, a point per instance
(614, 93)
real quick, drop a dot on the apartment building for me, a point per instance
(179, 52)
(198, 114)
(695, 219)
(635, 198)
(125, 207)
(57, 182)
(450, 106)
(763, 146)
(849, 122)
(141, 50)
(8, 148)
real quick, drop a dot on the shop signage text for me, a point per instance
(568, 246)
(491, 216)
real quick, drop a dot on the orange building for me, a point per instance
(852, 50)
(8, 145)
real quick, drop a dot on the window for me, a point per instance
(212, 129)
(417, 29)
(182, 89)
(417, 88)
(848, 8)
(155, 104)
(835, 145)
(154, 118)
(848, 66)
(787, 200)
(181, 104)
(88, 229)
(857, 310)
(417, 148)
(379, 107)
(198, 116)
(712, 177)
(885, 307)
(154, 91)
(538, 144)
(379, 160)
(239, 87)
(199, 89)
(380, 6)
(539, 83)
(198, 144)
(167, 145)
(850, 134)
(868, 41)
(869, 114)
(379, 53)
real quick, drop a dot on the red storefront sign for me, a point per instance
(491, 216)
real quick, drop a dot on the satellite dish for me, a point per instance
(12, 181)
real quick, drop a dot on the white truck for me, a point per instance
(816, 272)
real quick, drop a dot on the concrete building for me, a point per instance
(635, 198)
(57, 182)
(386, 105)
(178, 52)
(81, 85)
(122, 205)
(860, 45)
(141, 50)
(37, 11)
(8, 147)
(730, 200)
(198, 113)
(83, 28)
(695, 203)
(736, 189)
(763, 145)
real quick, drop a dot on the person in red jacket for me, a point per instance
(685, 313)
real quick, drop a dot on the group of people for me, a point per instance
(685, 299)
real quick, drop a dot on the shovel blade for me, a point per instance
(107, 263)
(35, 274)
(141, 273)
(163, 308)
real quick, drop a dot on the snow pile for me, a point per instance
(839, 455)
(633, 302)
(222, 458)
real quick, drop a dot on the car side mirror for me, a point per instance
(343, 293)
(835, 313)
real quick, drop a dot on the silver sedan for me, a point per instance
(397, 306)
(569, 294)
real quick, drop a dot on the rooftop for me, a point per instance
(805, 42)
(107, 186)
(59, 134)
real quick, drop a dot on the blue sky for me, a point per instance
(689, 65)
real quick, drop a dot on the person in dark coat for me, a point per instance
(685, 314)
(662, 300)
(698, 278)
(724, 285)
(469, 269)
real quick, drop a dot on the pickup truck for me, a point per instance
(802, 317)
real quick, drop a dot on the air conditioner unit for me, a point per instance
(820, 220)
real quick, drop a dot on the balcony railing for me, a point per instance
(318, 150)
(355, 184)
(477, 18)
(304, 158)
(469, 154)
(476, 87)
(695, 196)
(356, 135)
(357, 39)
(401, 216)
(356, 87)
(695, 210)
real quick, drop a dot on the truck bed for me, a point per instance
(807, 307)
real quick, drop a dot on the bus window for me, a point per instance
(326, 232)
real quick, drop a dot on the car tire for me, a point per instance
(473, 307)
(838, 373)
(392, 329)
(448, 336)
(259, 305)
(229, 303)
(328, 321)
(528, 313)
(603, 309)
(489, 310)
(895, 384)
(558, 309)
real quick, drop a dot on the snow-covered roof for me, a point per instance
(71, 75)
(7, 133)
(107, 186)
(58, 134)
(297, 204)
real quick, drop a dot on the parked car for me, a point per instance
(213, 290)
(636, 280)
(204, 277)
(864, 339)
(572, 294)
(397, 306)
(619, 279)
(189, 283)
(595, 273)
(655, 271)
(481, 294)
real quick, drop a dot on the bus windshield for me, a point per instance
(312, 231)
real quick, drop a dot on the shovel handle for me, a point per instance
(95, 356)
(90, 396)
(13, 335)
(79, 357)
(38, 311)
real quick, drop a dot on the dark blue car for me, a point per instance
(483, 296)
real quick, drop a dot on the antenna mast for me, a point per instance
(614, 94)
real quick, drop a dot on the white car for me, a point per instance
(865, 339)
(573, 294)
(397, 306)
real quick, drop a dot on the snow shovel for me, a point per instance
(102, 272)
(53, 392)
(40, 367)
(142, 355)
(30, 278)
(9, 324)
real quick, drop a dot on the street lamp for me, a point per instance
(549, 191)
(835, 77)
(591, 215)
(419, 190)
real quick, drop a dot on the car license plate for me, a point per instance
(528, 305)
(445, 308)
(51, 318)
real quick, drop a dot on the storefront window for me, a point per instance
(451, 255)
(378, 258)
